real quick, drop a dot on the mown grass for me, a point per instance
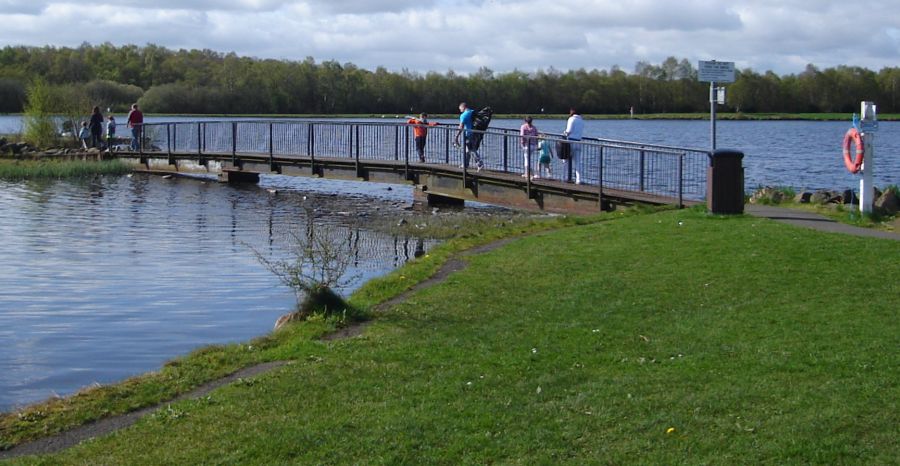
(47, 169)
(207, 364)
(670, 338)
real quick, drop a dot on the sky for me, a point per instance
(464, 35)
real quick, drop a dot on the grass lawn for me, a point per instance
(665, 338)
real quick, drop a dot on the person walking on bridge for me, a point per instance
(529, 134)
(574, 132)
(420, 133)
(466, 125)
(136, 123)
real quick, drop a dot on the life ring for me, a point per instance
(853, 135)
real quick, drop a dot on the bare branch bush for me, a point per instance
(316, 264)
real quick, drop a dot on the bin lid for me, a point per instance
(726, 153)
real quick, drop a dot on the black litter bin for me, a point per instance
(725, 182)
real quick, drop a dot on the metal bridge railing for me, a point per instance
(674, 172)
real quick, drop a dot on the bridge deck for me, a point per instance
(611, 172)
(412, 173)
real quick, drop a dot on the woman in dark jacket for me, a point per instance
(96, 127)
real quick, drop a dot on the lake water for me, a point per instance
(799, 154)
(108, 278)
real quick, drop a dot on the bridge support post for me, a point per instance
(236, 176)
(436, 200)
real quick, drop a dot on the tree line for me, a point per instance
(205, 81)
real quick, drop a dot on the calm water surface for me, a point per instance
(104, 279)
(800, 154)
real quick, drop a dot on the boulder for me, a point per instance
(849, 197)
(803, 198)
(767, 195)
(888, 203)
(821, 197)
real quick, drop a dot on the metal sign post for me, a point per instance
(868, 126)
(714, 72)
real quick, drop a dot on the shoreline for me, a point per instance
(619, 372)
(185, 373)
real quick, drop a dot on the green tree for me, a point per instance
(40, 129)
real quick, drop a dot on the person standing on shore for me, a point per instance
(529, 134)
(466, 125)
(136, 123)
(574, 132)
(96, 127)
(420, 132)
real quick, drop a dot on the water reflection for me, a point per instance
(107, 278)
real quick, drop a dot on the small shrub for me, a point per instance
(40, 129)
(317, 263)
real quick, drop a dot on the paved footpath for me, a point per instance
(815, 221)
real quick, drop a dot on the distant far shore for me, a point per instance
(514, 116)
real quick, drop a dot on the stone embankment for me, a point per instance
(886, 202)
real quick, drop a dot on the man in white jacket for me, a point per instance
(574, 132)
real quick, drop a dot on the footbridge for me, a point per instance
(609, 172)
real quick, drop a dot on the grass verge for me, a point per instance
(183, 374)
(47, 169)
(667, 338)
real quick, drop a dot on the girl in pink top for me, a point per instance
(529, 134)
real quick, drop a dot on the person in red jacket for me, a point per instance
(136, 123)
(420, 132)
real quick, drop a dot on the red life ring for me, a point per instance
(853, 135)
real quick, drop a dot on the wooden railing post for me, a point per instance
(234, 133)
(312, 148)
(396, 143)
(681, 181)
(506, 156)
(358, 169)
(406, 153)
(271, 146)
(447, 145)
(600, 180)
(643, 156)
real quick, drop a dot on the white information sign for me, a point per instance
(716, 71)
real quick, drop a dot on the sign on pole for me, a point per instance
(716, 71)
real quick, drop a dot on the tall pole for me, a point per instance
(712, 115)
(866, 184)
(869, 125)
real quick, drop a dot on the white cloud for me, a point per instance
(463, 35)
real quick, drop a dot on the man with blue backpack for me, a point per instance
(472, 140)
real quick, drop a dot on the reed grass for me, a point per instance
(54, 169)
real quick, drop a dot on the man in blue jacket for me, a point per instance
(466, 123)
